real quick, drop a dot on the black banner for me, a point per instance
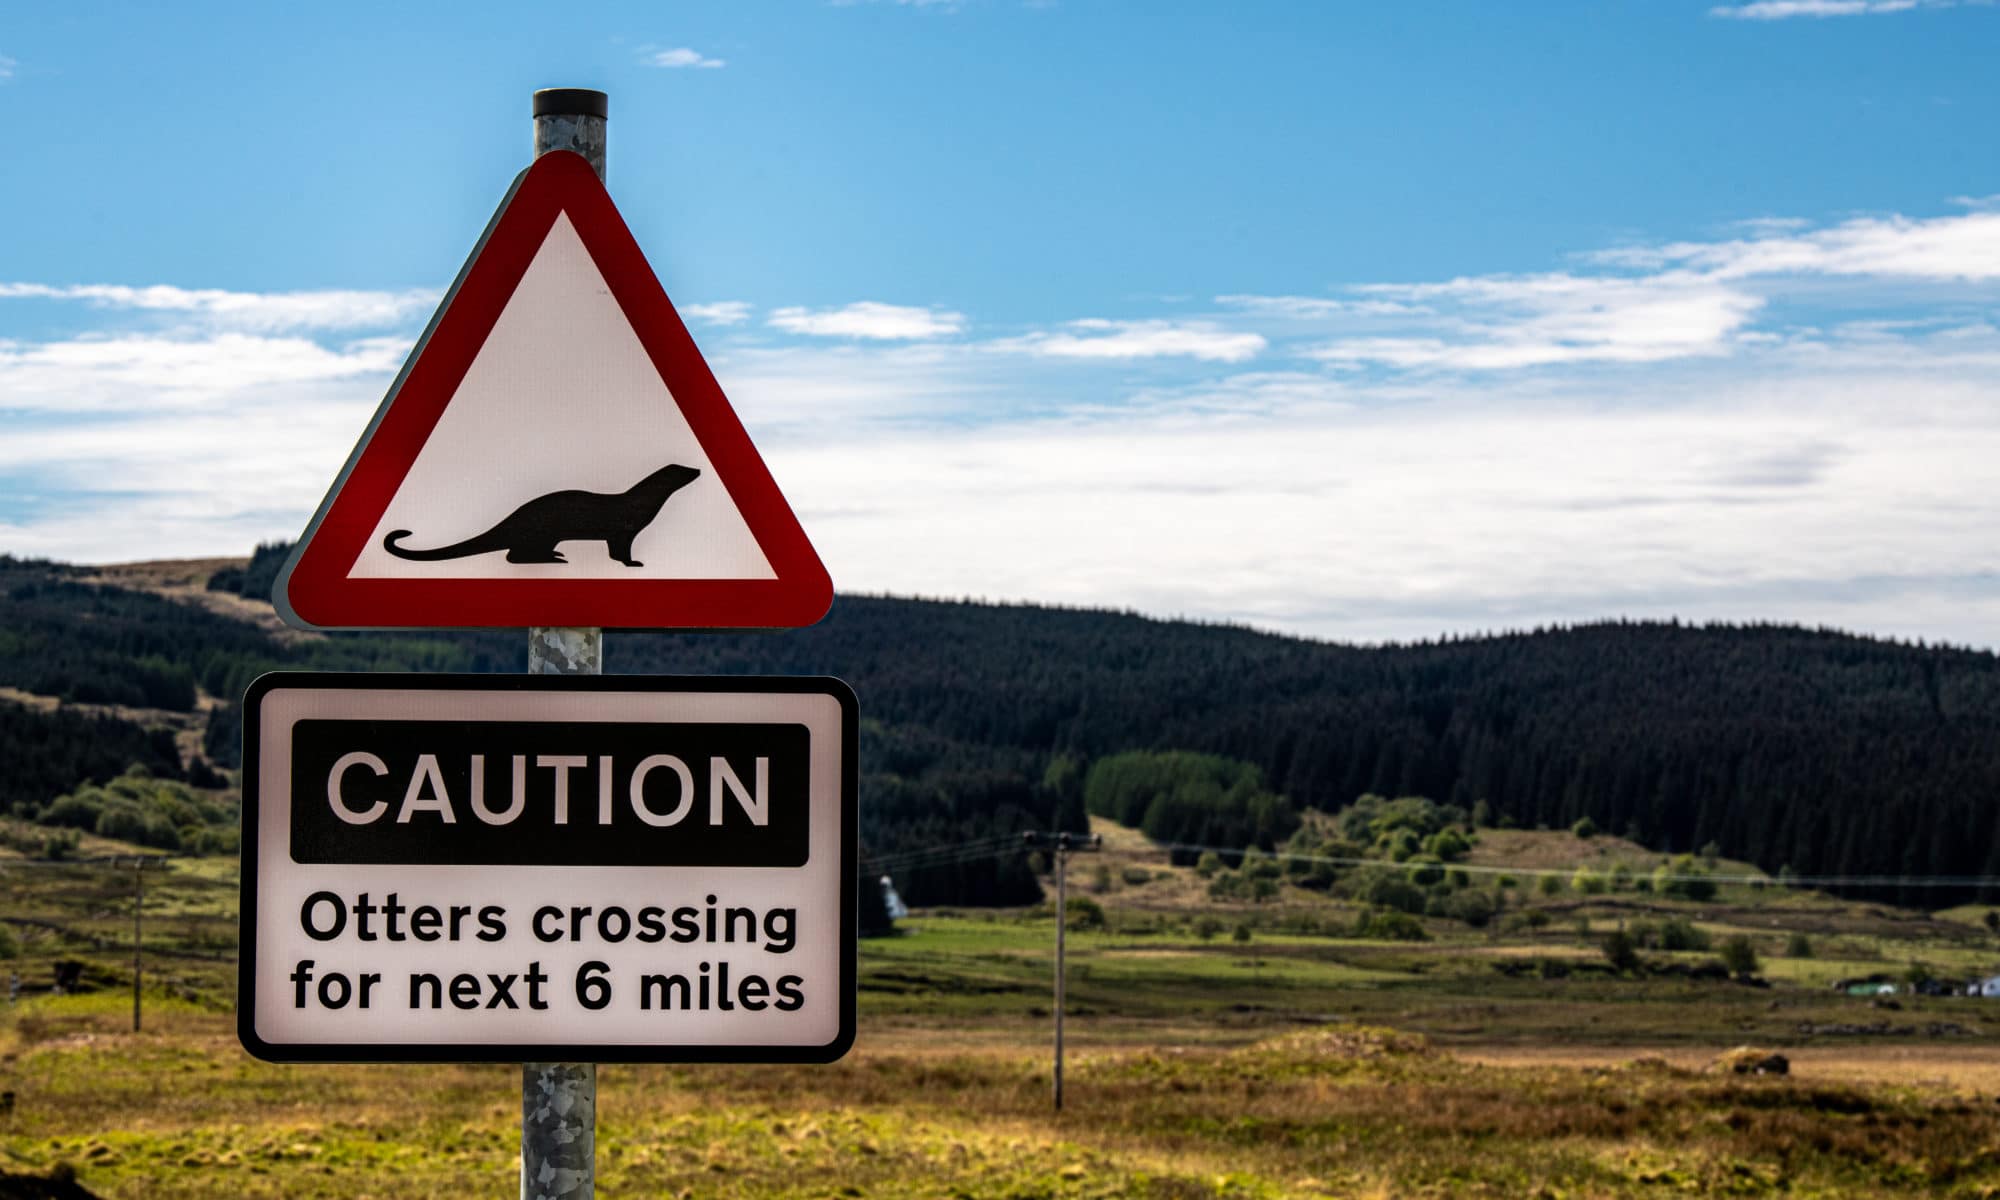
(550, 793)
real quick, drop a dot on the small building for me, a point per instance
(1985, 987)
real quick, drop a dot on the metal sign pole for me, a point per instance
(559, 1100)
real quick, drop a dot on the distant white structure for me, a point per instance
(1987, 987)
(894, 903)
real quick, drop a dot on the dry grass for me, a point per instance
(1340, 1110)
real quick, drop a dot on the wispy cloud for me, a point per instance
(1780, 10)
(722, 312)
(1651, 303)
(7, 66)
(1099, 338)
(264, 312)
(1307, 308)
(870, 319)
(141, 373)
(1504, 322)
(1962, 247)
(682, 56)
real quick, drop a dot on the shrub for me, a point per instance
(1739, 957)
(1798, 946)
(77, 811)
(1549, 885)
(1389, 892)
(1208, 864)
(1678, 933)
(1206, 927)
(1620, 951)
(1584, 828)
(1473, 907)
(1134, 876)
(1084, 913)
(1241, 933)
(9, 948)
(1589, 882)
(1426, 871)
(1448, 845)
(1390, 926)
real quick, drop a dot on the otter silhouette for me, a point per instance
(529, 534)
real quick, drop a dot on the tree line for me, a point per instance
(1812, 750)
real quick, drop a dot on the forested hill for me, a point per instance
(1825, 752)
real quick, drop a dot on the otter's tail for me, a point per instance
(462, 549)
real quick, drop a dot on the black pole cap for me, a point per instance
(572, 102)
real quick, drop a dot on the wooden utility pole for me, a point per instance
(1063, 844)
(138, 903)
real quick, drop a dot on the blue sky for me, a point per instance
(1360, 320)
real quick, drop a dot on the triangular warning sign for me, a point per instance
(555, 452)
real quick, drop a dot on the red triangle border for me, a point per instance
(313, 589)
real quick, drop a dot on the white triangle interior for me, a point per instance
(561, 397)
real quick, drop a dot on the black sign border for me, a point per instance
(498, 1052)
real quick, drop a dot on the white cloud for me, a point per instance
(1097, 338)
(1821, 495)
(261, 312)
(136, 373)
(681, 56)
(1779, 10)
(1506, 322)
(1309, 308)
(870, 319)
(1963, 247)
(7, 66)
(722, 312)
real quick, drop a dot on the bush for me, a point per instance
(1798, 946)
(1447, 845)
(1739, 957)
(1549, 885)
(1589, 882)
(78, 811)
(1084, 913)
(1208, 864)
(1389, 892)
(1241, 933)
(9, 947)
(1206, 927)
(1678, 933)
(1473, 907)
(1584, 828)
(1620, 951)
(1390, 926)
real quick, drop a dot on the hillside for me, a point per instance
(1823, 752)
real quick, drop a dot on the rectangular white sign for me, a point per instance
(536, 867)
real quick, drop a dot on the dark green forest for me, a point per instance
(1810, 749)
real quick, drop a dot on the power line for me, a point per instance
(993, 847)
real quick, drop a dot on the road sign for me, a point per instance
(474, 868)
(555, 453)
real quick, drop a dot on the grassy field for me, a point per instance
(1217, 1049)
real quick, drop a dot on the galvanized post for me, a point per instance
(559, 1100)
